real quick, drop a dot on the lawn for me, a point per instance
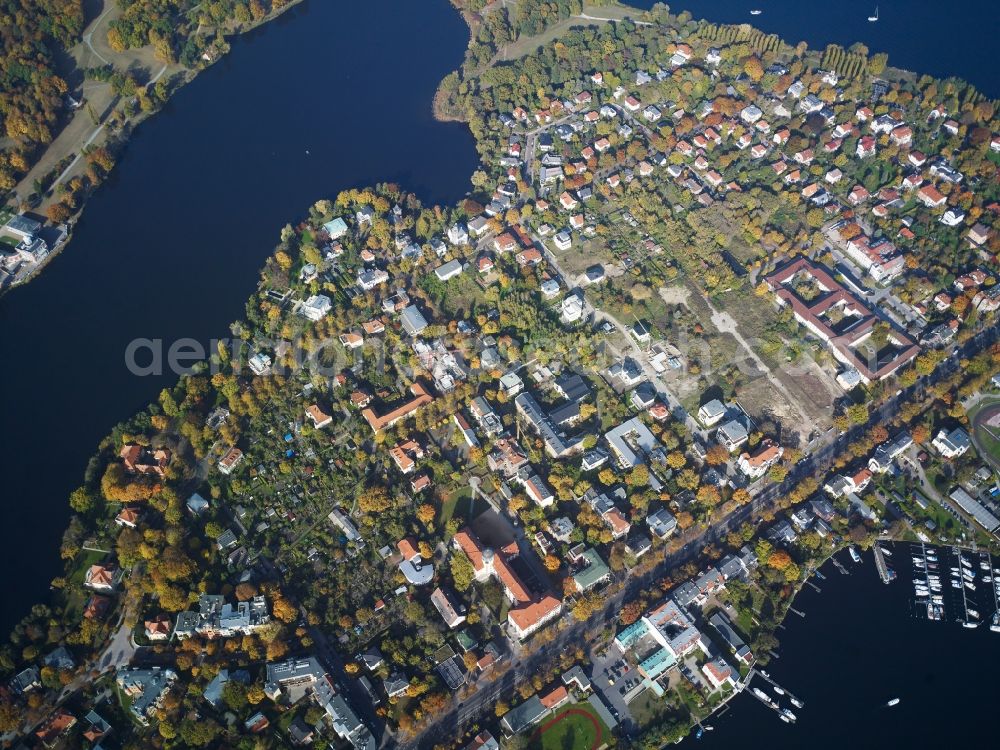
(83, 561)
(647, 708)
(74, 594)
(449, 506)
(572, 727)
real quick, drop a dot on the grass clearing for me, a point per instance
(647, 708)
(83, 561)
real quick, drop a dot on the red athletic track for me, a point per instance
(598, 739)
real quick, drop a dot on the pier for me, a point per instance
(883, 569)
(770, 680)
(785, 714)
(837, 564)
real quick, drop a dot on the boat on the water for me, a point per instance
(778, 690)
(874, 18)
(796, 702)
(756, 12)
(854, 554)
(788, 712)
(893, 702)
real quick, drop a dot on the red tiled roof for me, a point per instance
(406, 549)
(836, 294)
(555, 697)
(528, 616)
(420, 398)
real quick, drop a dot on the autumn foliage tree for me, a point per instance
(283, 609)
(630, 613)
(779, 559)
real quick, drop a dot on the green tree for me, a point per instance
(462, 572)
(234, 694)
(199, 732)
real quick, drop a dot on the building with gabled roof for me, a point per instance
(379, 422)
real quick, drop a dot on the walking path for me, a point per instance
(725, 323)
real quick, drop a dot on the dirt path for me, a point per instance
(725, 323)
(82, 131)
(590, 16)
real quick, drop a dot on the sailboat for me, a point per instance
(756, 12)
(874, 18)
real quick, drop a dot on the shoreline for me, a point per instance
(796, 589)
(184, 77)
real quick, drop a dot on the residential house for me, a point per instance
(951, 444)
(757, 464)
(145, 689)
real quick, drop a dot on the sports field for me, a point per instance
(572, 727)
(986, 432)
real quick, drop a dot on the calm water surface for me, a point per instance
(926, 36)
(331, 95)
(860, 644)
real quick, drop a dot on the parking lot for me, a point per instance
(610, 677)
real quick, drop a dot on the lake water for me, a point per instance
(860, 644)
(925, 36)
(334, 95)
(329, 96)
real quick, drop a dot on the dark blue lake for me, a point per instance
(925, 36)
(860, 644)
(331, 95)
(171, 248)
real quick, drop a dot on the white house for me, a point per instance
(951, 444)
(711, 413)
(458, 235)
(316, 307)
(757, 464)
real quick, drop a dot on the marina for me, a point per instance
(971, 596)
(827, 650)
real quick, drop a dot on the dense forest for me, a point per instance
(170, 26)
(31, 93)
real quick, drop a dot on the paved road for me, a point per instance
(599, 316)
(455, 719)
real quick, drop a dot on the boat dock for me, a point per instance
(837, 564)
(784, 714)
(767, 678)
(987, 563)
(927, 589)
(884, 572)
(963, 565)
